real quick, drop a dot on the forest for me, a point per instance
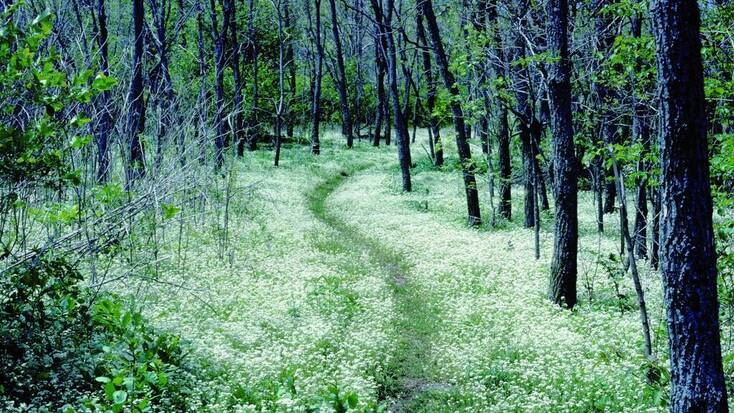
(366, 206)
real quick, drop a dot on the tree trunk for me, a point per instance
(564, 265)
(253, 127)
(281, 84)
(291, 62)
(318, 67)
(688, 256)
(136, 114)
(623, 219)
(435, 132)
(164, 92)
(201, 108)
(239, 139)
(640, 130)
(398, 117)
(505, 165)
(341, 77)
(462, 144)
(219, 39)
(104, 123)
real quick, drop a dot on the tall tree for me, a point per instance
(384, 22)
(280, 105)
(104, 118)
(688, 257)
(462, 143)
(503, 132)
(340, 77)
(234, 62)
(136, 113)
(434, 131)
(317, 74)
(292, 67)
(219, 37)
(564, 266)
(253, 125)
(524, 113)
(641, 133)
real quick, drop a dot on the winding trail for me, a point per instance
(407, 384)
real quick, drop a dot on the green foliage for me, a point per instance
(40, 135)
(64, 345)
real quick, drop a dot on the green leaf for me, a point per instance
(119, 397)
(169, 210)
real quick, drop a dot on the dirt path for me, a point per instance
(408, 384)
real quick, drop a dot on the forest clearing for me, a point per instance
(366, 206)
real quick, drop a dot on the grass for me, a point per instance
(343, 291)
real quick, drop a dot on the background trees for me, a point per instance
(115, 115)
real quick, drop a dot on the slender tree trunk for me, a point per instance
(201, 108)
(505, 165)
(136, 114)
(291, 63)
(564, 265)
(462, 144)
(104, 123)
(641, 134)
(341, 77)
(165, 98)
(401, 126)
(316, 98)
(230, 8)
(379, 86)
(281, 83)
(536, 131)
(219, 40)
(435, 132)
(253, 127)
(623, 218)
(688, 256)
(598, 174)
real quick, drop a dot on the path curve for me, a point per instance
(406, 380)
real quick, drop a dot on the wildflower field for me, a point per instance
(336, 291)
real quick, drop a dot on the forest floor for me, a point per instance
(333, 290)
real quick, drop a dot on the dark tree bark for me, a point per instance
(381, 97)
(136, 114)
(253, 126)
(341, 77)
(435, 131)
(401, 127)
(238, 133)
(688, 256)
(280, 106)
(201, 98)
(631, 261)
(564, 265)
(160, 10)
(505, 165)
(317, 75)
(503, 132)
(291, 62)
(462, 143)
(219, 37)
(380, 73)
(524, 114)
(104, 122)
